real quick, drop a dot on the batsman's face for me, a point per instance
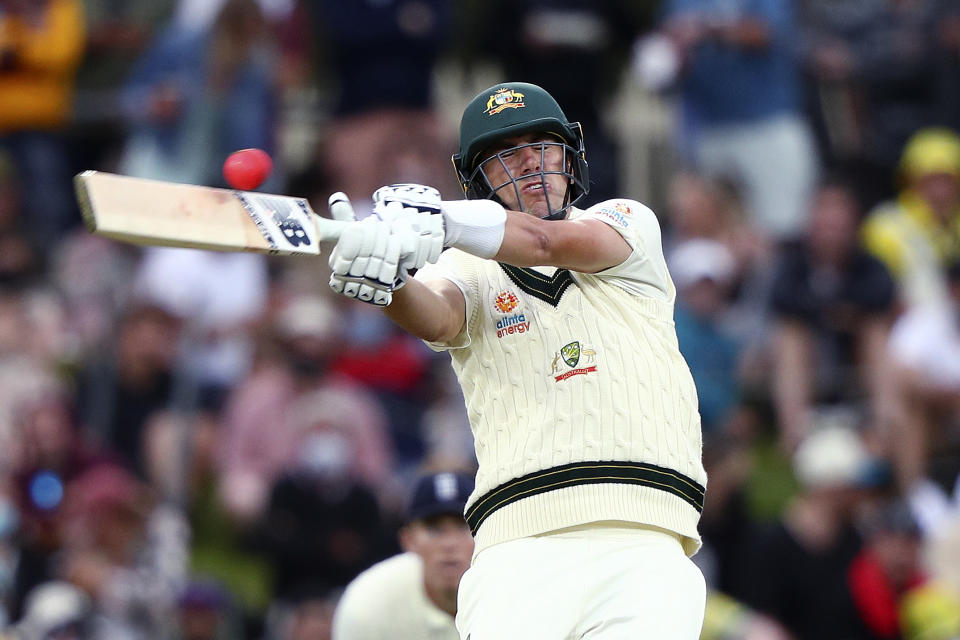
(445, 545)
(526, 173)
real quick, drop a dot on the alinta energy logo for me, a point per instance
(506, 303)
(569, 357)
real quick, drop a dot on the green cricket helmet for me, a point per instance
(511, 109)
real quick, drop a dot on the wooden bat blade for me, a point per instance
(154, 212)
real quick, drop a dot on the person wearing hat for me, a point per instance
(918, 234)
(413, 595)
(559, 324)
(923, 357)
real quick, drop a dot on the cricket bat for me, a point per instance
(154, 212)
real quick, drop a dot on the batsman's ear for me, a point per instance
(340, 207)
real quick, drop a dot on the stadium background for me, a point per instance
(199, 445)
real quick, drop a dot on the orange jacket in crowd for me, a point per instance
(41, 45)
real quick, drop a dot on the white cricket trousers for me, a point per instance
(617, 582)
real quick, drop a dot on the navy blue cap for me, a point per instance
(440, 493)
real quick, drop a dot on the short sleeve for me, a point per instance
(644, 272)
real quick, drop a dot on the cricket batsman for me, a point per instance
(559, 324)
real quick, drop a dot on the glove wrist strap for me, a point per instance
(474, 226)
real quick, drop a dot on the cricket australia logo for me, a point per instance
(504, 99)
(506, 304)
(571, 355)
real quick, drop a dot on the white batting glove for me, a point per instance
(474, 226)
(416, 208)
(417, 196)
(366, 262)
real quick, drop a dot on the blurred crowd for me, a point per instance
(203, 446)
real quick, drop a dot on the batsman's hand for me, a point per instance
(366, 262)
(413, 208)
(415, 196)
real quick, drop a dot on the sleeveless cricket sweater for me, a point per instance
(581, 405)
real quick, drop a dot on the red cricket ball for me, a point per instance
(246, 169)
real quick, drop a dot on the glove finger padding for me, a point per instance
(390, 264)
(389, 211)
(422, 238)
(418, 196)
(365, 262)
(377, 254)
(364, 290)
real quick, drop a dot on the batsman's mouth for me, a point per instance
(535, 185)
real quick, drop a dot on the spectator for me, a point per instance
(220, 320)
(727, 619)
(740, 104)
(918, 234)
(948, 48)
(204, 612)
(924, 351)
(799, 564)
(703, 207)
(711, 209)
(268, 415)
(931, 611)
(872, 82)
(397, 368)
(887, 568)
(20, 259)
(9, 552)
(321, 525)
(55, 610)
(577, 51)
(195, 95)
(51, 453)
(832, 304)
(119, 392)
(127, 552)
(414, 594)
(703, 271)
(728, 524)
(309, 618)
(118, 31)
(41, 44)
(384, 126)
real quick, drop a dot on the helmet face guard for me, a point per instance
(514, 109)
(479, 186)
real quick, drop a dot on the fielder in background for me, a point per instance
(413, 596)
(559, 323)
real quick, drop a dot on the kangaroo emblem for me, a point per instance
(556, 360)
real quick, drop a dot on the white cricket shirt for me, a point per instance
(581, 405)
(388, 601)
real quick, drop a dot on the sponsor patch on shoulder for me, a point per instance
(619, 213)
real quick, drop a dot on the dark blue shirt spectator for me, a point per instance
(727, 82)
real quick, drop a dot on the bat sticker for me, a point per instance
(284, 222)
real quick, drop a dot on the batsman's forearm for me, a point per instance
(434, 312)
